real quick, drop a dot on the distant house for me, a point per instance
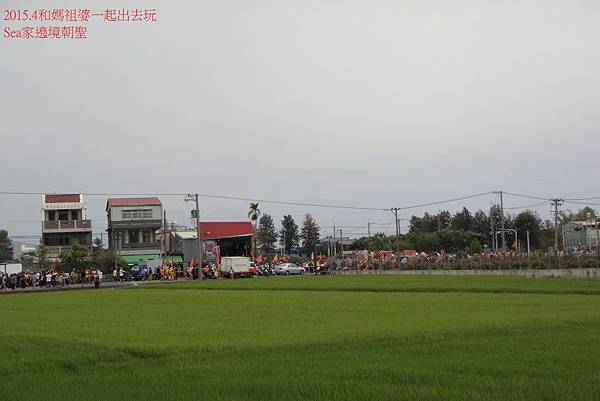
(132, 226)
(64, 223)
(581, 234)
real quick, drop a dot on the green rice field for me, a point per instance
(307, 338)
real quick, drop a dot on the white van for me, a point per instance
(232, 266)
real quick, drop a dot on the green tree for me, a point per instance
(528, 221)
(474, 247)
(266, 234)
(481, 225)
(106, 261)
(97, 245)
(462, 220)
(254, 213)
(443, 220)
(310, 234)
(75, 257)
(6, 247)
(288, 235)
(585, 213)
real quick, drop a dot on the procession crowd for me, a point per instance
(49, 279)
(60, 279)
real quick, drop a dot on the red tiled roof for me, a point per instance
(153, 201)
(62, 198)
(225, 229)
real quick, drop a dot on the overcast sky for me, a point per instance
(368, 103)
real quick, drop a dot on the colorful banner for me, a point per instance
(210, 248)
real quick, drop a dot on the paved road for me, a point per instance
(77, 287)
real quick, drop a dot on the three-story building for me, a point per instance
(132, 226)
(64, 223)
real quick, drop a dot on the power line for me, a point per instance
(309, 204)
(445, 201)
(582, 203)
(527, 206)
(582, 199)
(527, 196)
(213, 196)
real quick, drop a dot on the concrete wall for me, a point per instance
(592, 273)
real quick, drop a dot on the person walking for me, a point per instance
(73, 279)
(97, 278)
(114, 275)
(121, 275)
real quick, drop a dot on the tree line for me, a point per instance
(290, 237)
(473, 232)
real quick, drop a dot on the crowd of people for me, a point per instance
(61, 279)
(49, 279)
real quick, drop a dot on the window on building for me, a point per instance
(51, 215)
(146, 236)
(136, 214)
(63, 215)
(134, 236)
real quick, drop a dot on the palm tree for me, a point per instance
(254, 213)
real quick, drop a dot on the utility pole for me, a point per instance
(587, 231)
(162, 242)
(502, 223)
(194, 197)
(395, 211)
(164, 234)
(597, 243)
(334, 243)
(493, 227)
(199, 239)
(556, 202)
(342, 243)
(369, 228)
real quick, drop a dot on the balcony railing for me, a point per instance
(68, 225)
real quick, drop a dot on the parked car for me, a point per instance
(289, 268)
(137, 272)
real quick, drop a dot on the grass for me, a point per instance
(299, 338)
(408, 283)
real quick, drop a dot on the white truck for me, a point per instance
(235, 266)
